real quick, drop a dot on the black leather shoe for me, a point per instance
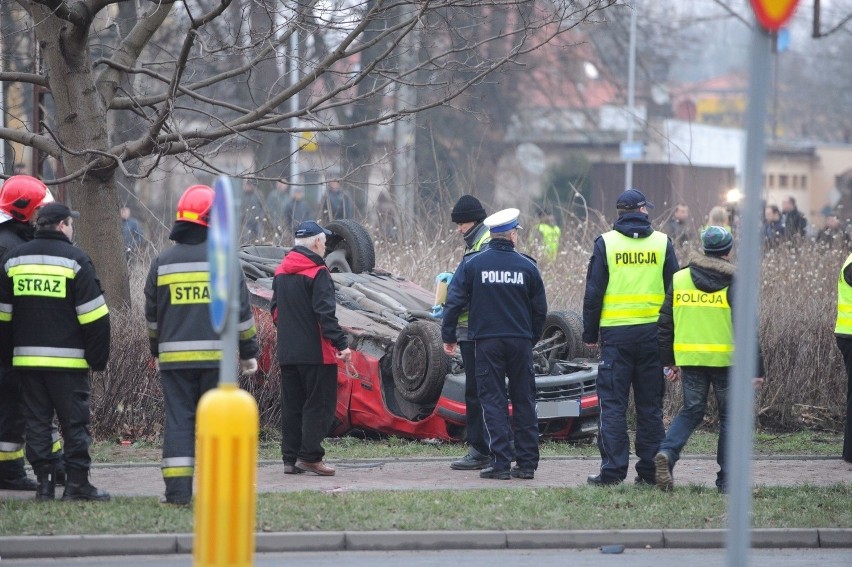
(20, 483)
(471, 463)
(84, 492)
(639, 481)
(489, 472)
(598, 480)
(172, 501)
(525, 474)
(78, 487)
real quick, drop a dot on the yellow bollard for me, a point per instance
(226, 463)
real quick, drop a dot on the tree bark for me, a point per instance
(80, 129)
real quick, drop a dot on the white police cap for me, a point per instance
(503, 221)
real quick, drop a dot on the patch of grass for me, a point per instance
(702, 442)
(621, 507)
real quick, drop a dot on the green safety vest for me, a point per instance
(550, 234)
(477, 246)
(635, 291)
(704, 333)
(844, 303)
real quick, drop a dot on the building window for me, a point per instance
(795, 180)
(771, 180)
(783, 181)
(803, 182)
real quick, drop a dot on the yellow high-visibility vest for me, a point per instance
(704, 333)
(843, 326)
(550, 234)
(484, 239)
(636, 291)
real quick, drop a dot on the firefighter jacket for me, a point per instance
(177, 309)
(13, 234)
(52, 310)
(303, 308)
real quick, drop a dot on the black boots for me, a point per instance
(78, 487)
(14, 477)
(46, 478)
(178, 491)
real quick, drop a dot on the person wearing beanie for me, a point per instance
(630, 269)
(695, 335)
(468, 214)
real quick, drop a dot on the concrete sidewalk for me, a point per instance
(435, 474)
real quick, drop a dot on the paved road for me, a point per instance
(434, 474)
(496, 558)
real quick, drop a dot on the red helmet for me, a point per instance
(20, 196)
(194, 205)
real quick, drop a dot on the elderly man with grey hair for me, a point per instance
(310, 341)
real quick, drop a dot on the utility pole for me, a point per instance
(631, 99)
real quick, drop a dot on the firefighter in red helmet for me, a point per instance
(20, 197)
(183, 342)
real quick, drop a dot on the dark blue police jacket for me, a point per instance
(505, 293)
(597, 279)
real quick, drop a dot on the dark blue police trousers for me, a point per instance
(622, 367)
(496, 360)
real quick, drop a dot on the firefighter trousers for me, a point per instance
(66, 393)
(182, 389)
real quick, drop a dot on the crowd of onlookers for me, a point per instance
(784, 224)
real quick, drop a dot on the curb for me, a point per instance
(154, 544)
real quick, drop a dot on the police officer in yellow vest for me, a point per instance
(696, 340)
(549, 234)
(843, 335)
(468, 214)
(629, 271)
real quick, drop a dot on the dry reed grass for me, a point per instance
(805, 376)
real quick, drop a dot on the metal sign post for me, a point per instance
(228, 419)
(746, 297)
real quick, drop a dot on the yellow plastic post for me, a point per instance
(226, 463)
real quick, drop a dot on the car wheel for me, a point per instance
(419, 362)
(562, 337)
(356, 244)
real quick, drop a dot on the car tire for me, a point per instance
(354, 240)
(565, 329)
(419, 363)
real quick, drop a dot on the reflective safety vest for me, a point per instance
(704, 333)
(177, 304)
(52, 306)
(844, 303)
(550, 234)
(635, 291)
(483, 239)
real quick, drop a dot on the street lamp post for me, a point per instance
(631, 102)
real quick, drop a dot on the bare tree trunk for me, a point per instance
(84, 126)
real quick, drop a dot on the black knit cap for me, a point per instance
(468, 209)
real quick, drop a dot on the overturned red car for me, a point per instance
(399, 381)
